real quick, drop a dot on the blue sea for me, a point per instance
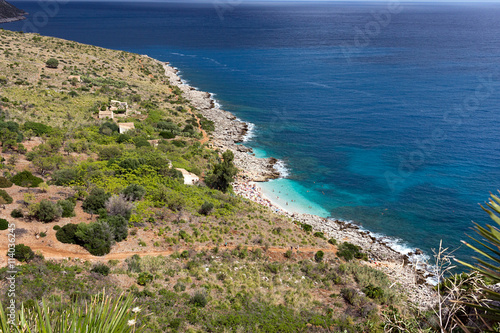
(385, 114)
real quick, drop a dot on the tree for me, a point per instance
(134, 192)
(68, 208)
(96, 237)
(223, 173)
(206, 208)
(52, 63)
(119, 226)
(95, 201)
(66, 234)
(44, 164)
(9, 139)
(26, 179)
(119, 206)
(48, 211)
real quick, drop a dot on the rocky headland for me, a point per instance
(10, 13)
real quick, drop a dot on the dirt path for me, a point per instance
(203, 132)
(51, 253)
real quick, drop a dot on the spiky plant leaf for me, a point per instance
(488, 246)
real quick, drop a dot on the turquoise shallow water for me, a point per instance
(283, 191)
(399, 134)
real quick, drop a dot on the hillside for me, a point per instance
(9, 13)
(95, 143)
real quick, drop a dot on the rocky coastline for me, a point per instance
(230, 133)
(12, 19)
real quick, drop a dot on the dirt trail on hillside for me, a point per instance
(50, 253)
(203, 132)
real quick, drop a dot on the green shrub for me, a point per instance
(319, 234)
(119, 226)
(199, 299)
(109, 152)
(68, 208)
(134, 263)
(373, 292)
(26, 179)
(6, 197)
(64, 177)
(350, 251)
(175, 201)
(167, 135)
(23, 253)
(66, 234)
(5, 183)
(332, 241)
(307, 227)
(96, 237)
(38, 129)
(179, 286)
(319, 256)
(273, 267)
(134, 192)
(101, 269)
(288, 254)
(4, 224)
(123, 138)
(48, 211)
(52, 63)
(109, 128)
(351, 296)
(144, 278)
(16, 213)
(95, 201)
(118, 205)
(56, 227)
(206, 208)
(141, 142)
(222, 175)
(179, 143)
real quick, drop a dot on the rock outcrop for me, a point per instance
(9, 13)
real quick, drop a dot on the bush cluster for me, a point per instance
(26, 179)
(144, 278)
(350, 251)
(5, 183)
(206, 208)
(318, 256)
(67, 207)
(6, 197)
(38, 129)
(16, 213)
(134, 192)
(48, 211)
(4, 224)
(101, 269)
(66, 234)
(23, 253)
(52, 63)
(95, 201)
